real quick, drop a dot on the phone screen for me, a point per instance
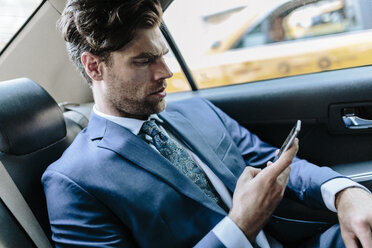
(289, 140)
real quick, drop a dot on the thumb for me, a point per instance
(282, 163)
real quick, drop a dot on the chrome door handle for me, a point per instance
(355, 122)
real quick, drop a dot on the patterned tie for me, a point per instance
(180, 159)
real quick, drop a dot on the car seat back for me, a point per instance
(33, 134)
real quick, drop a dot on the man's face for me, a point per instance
(134, 80)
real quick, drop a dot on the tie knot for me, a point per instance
(150, 128)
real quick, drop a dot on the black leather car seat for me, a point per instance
(33, 134)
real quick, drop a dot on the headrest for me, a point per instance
(30, 119)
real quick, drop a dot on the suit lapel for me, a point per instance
(200, 147)
(131, 147)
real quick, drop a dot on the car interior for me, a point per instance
(45, 103)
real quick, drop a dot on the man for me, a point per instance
(140, 175)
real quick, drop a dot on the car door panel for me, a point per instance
(270, 108)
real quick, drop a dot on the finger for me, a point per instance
(250, 172)
(349, 240)
(351, 243)
(283, 178)
(276, 154)
(282, 163)
(286, 183)
(286, 172)
(255, 172)
(365, 237)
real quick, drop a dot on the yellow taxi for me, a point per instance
(271, 39)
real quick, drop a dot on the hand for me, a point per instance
(354, 207)
(258, 192)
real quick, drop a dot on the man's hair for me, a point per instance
(101, 27)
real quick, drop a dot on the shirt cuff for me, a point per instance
(332, 187)
(230, 234)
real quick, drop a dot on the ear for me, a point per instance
(92, 65)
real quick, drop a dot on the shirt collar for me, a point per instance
(134, 125)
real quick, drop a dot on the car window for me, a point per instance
(297, 21)
(13, 14)
(237, 41)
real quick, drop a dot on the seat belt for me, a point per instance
(15, 202)
(79, 113)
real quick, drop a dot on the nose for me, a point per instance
(162, 70)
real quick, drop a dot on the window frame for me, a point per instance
(177, 53)
(22, 27)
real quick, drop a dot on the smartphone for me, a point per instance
(289, 140)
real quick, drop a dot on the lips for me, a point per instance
(160, 93)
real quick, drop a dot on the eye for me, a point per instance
(143, 61)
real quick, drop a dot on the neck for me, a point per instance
(119, 113)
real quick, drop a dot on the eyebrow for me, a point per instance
(147, 55)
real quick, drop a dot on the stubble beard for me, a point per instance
(139, 110)
(131, 107)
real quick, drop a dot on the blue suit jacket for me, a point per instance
(111, 189)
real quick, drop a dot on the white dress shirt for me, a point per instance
(226, 230)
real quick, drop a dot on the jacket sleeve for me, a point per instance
(78, 219)
(305, 178)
